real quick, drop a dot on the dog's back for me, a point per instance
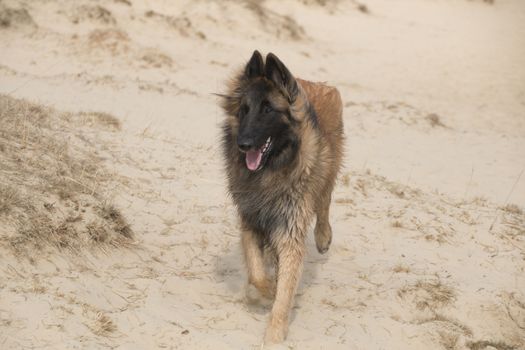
(328, 107)
(327, 104)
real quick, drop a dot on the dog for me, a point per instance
(283, 146)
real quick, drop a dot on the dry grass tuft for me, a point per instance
(9, 199)
(345, 179)
(15, 17)
(181, 24)
(103, 326)
(450, 322)
(345, 200)
(488, 344)
(118, 223)
(124, 2)
(48, 195)
(155, 59)
(448, 340)
(397, 190)
(282, 26)
(363, 8)
(113, 41)
(397, 224)
(435, 120)
(430, 295)
(401, 268)
(93, 13)
(512, 209)
(100, 118)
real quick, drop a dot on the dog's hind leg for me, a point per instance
(323, 230)
(255, 263)
(290, 262)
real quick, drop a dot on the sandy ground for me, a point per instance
(429, 232)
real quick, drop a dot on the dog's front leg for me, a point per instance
(290, 253)
(255, 264)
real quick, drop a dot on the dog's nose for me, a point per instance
(244, 144)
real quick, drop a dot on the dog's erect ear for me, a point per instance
(276, 71)
(255, 67)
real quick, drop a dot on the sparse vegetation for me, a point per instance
(282, 26)
(397, 224)
(401, 268)
(125, 2)
(95, 13)
(454, 324)
(15, 17)
(449, 340)
(435, 120)
(157, 59)
(486, 344)
(345, 200)
(181, 24)
(512, 209)
(430, 295)
(49, 195)
(111, 40)
(345, 179)
(99, 118)
(363, 8)
(103, 326)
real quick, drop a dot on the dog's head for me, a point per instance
(262, 119)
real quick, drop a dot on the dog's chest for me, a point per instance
(278, 208)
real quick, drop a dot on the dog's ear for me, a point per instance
(255, 67)
(277, 72)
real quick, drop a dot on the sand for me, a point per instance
(429, 230)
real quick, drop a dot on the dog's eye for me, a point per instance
(267, 109)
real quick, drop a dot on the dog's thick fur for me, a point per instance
(294, 180)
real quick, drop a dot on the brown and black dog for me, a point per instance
(283, 145)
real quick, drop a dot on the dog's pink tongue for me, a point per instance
(253, 159)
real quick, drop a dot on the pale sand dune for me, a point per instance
(429, 233)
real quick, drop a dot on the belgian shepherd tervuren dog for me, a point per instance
(283, 144)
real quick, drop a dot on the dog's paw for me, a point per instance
(266, 288)
(323, 239)
(254, 296)
(275, 334)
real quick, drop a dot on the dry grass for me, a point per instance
(93, 13)
(103, 119)
(15, 17)
(9, 198)
(399, 268)
(396, 189)
(435, 120)
(103, 326)
(124, 2)
(181, 24)
(345, 200)
(363, 8)
(282, 26)
(117, 222)
(114, 41)
(449, 340)
(450, 322)
(512, 209)
(431, 295)
(397, 224)
(155, 59)
(49, 194)
(487, 344)
(345, 179)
